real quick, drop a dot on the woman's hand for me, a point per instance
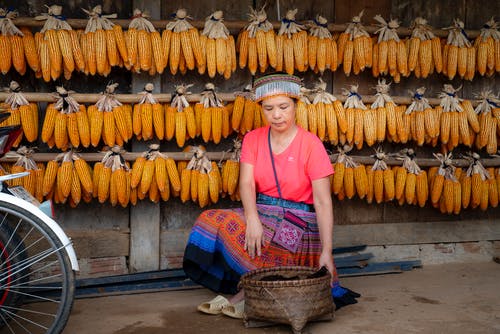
(254, 237)
(326, 259)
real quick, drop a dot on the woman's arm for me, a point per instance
(324, 215)
(254, 236)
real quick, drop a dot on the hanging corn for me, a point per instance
(105, 40)
(58, 46)
(459, 55)
(391, 51)
(12, 45)
(110, 119)
(144, 46)
(292, 40)
(422, 119)
(357, 130)
(351, 179)
(354, 47)
(182, 44)
(324, 104)
(112, 178)
(424, 50)
(22, 113)
(231, 172)
(219, 47)
(321, 47)
(411, 183)
(489, 121)
(257, 43)
(475, 184)
(215, 118)
(184, 121)
(242, 117)
(25, 163)
(385, 113)
(443, 184)
(148, 116)
(487, 47)
(383, 179)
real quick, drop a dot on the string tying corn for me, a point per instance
(487, 47)
(424, 50)
(257, 44)
(22, 113)
(12, 46)
(458, 58)
(391, 51)
(489, 121)
(220, 49)
(324, 104)
(354, 47)
(148, 116)
(57, 45)
(385, 113)
(422, 119)
(182, 44)
(357, 130)
(321, 47)
(293, 38)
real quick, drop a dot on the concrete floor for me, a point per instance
(450, 298)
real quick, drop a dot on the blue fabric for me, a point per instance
(269, 200)
(337, 290)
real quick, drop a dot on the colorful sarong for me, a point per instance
(215, 255)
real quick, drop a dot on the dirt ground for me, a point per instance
(451, 298)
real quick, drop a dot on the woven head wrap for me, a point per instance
(277, 85)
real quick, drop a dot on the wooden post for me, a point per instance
(145, 216)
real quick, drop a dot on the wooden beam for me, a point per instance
(100, 243)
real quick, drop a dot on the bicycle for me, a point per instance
(37, 260)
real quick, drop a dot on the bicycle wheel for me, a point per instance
(37, 282)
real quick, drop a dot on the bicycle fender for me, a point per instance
(52, 224)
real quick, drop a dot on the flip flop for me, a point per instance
(215, 306)
(236, 311)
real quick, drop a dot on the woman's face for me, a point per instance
(279, 112)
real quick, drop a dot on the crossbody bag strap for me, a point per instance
(272, 162)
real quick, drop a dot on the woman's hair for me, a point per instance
(277, 84)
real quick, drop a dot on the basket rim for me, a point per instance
(245, 280)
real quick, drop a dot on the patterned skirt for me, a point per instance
(215, 255)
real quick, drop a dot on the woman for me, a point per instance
(224, 244)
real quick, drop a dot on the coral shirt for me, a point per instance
(303, 161)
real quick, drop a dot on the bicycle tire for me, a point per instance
(47, 281)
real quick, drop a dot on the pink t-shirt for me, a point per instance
(303, 161)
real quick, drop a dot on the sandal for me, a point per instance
(215, 306)
(236, 311)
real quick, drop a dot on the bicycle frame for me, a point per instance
(51, 224)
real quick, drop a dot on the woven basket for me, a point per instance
(293, 302)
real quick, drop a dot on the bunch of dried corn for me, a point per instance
(182, 45)
(385, 113)
(12, 45)
(326, 115)
(458, 120)
(103, 43)
(22, 113)
(231, 172)
(291, 45)
(424, 50)
(489, 121)
(389, 53)
(350, 178)
(459, 56)
(257, 44)
(68, 177)
(247, 114)
(144, 45)
(424, 120)
(218, 46)
(180, 117)
(488, 49)
(66, 123)
(445, 190)
(148, 116)
(479, 185)
(110, 119)
(357, 129)
(25, 163)
(213, 115)
(111, 179)
(201, 180)
(305, 113)
(411, 184)
(381, 185)
(354, 47)
(155, 175)
(321, 47)
(58, 47)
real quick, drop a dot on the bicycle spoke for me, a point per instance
(28, 311)
(17, 316)
(34, 271)
(30, 285)
(34, 296)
